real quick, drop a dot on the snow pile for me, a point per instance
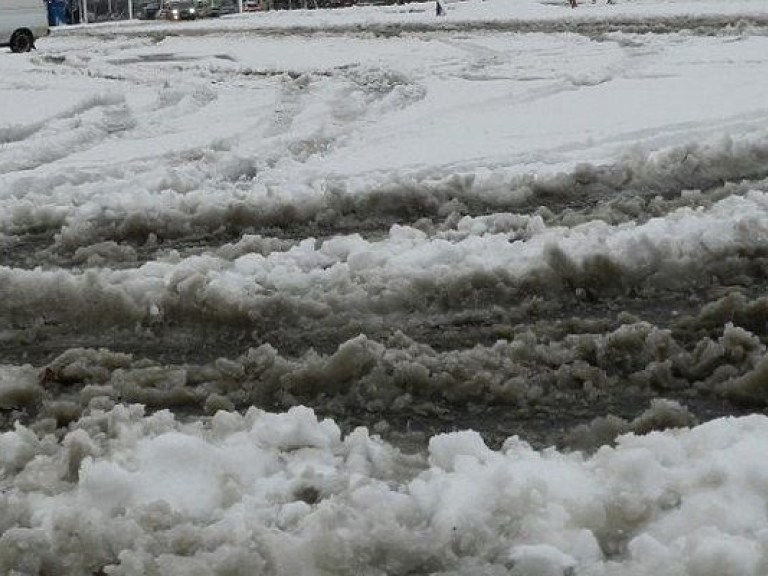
(405, 379)
(407, 271)
(169, 203)
(130, 494)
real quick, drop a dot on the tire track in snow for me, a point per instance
(84, 127)
(346, 281)
(570, 340)
(633, 190)
(565, 308)
(14, 133)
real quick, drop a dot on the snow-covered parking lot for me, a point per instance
(372, 292)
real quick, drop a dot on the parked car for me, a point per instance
(22, 22)
(226, 7)
(206, 9)
(149, 10)
(178, 10)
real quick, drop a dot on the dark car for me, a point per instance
(178, 10)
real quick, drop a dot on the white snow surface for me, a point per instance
(120, 130)
(286, 494)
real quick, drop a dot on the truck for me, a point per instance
(22, 22)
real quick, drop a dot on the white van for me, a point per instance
(22, 22)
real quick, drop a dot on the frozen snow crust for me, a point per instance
(124, 493)
(546, 225)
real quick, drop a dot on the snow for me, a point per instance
(287, 494)
(518, 212)
(377, 276)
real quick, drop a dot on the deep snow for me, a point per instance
(546, 225)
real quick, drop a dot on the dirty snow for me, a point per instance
(367, 291)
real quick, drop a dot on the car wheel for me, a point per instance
(22, 41)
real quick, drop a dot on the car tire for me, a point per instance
(22, 41)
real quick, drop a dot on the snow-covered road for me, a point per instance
(519, 219)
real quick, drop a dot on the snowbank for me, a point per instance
(407, 271)
(129, 494)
